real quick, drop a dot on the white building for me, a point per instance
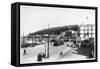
(87, 31)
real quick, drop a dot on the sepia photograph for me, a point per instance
(53, 34)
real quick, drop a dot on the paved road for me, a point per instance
(68, 55)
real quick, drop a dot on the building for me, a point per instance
(87, 31)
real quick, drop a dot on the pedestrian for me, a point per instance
(61, 53)
(24, 52)
(44, 55)
(39, 58)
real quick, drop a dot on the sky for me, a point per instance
(34, 18)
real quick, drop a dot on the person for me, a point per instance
(61, 53)
(91, 49)
(24, 52)
(43, 55)
(39, 58)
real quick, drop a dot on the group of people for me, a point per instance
(40, 56)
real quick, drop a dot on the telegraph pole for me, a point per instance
(45, 50)
(32, 41)
(48, 44)
(23, 38)
(87, 27)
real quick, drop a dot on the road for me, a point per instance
(69, 54)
